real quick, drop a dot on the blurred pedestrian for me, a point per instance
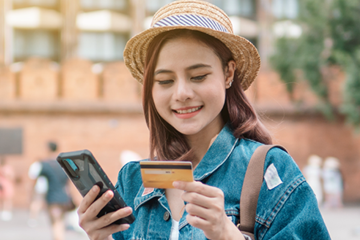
(58, 198)
(333, 183)
(6, 190)
(37, 199)
(312, 173)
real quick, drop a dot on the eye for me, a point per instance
(164, 82)
(199, 78)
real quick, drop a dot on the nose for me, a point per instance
(183, 91)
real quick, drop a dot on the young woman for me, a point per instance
(194, 72)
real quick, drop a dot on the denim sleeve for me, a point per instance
(298, 218)
(290, 210)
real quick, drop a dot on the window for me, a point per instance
(231, 7)
(45, 3)
(102, 46)
(244, 8)
(41, 43)
(104, 4)
(285, 9)
(153, 5)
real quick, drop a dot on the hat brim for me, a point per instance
(244, 52)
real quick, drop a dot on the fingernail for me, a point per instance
(95, 188)
(176, 184)
(128, 210)
(108, 194)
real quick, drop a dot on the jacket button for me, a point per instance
(166, 216)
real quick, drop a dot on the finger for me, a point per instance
(197, 187)
(109, 218)
(105, 222)
(117, 228)
(197, 199)
(197, 222)
(199, 211)
(96, 207)
(88, 199)
(106, 233)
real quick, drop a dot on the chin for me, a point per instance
(187, 130)
(188, 133)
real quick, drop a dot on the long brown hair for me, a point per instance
(165, 141)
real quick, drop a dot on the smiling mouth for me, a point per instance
(190, 110)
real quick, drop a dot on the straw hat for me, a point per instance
(200, 16)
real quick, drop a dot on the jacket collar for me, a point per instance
(217, 154)
(146, 194)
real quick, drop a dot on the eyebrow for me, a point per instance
(192, 67)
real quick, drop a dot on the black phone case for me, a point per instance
(84, 171)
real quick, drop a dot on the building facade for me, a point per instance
(62, 78)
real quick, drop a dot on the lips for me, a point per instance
(187, 110)
(187, 113)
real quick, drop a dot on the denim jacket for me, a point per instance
(287, 211)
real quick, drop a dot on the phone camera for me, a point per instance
(71, 167)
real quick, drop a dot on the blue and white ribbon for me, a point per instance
(190, 20)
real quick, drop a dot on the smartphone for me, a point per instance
(84, 171)
(162, 174)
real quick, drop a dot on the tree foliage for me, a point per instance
(330, 35)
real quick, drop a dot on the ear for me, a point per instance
(230, 73)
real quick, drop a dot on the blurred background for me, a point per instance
(62, 79)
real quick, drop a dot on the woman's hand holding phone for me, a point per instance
(100, 228)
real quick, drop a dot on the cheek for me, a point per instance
(160, 99)
(155, 97)
(217, 98)
(216, 93)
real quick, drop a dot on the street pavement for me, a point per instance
(18, 228)
(343, 224)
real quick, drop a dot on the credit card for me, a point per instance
(162, 174)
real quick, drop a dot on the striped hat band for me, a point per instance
(194, 15)
(190, 20)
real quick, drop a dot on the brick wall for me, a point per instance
(7, 84)
(111, 121)
(106, 135)
(78, 82)
(38, 80)
(116, 79)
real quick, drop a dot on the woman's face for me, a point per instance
(189, 86)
